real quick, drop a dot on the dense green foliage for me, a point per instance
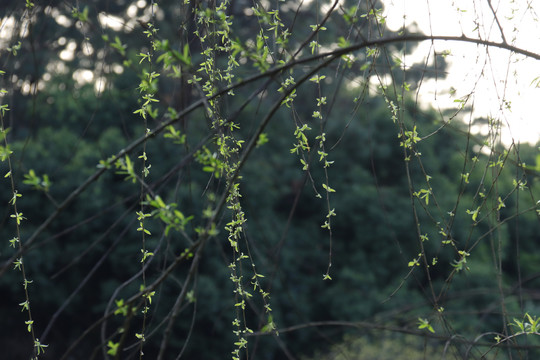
(235, 186)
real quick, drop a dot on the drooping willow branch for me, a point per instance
(329, 56)
(193, 249)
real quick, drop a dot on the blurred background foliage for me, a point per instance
(72, 97)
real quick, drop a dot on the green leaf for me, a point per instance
(328, 188)
(113, 348)
(424, 324)
(327, 277)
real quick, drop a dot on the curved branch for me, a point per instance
(408, 331)
(334, 54)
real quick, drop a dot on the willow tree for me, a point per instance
(203, 179)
